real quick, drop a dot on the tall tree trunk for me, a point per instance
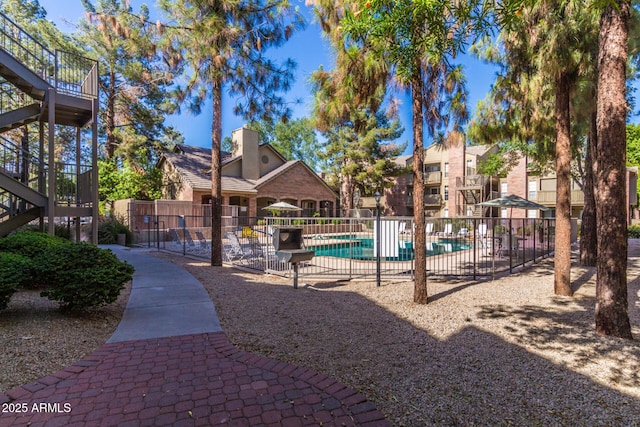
(611, 312)
(216, 174)
(562, 264)
(110, 118)
(588, 232)
(420, 294)
(347, 189)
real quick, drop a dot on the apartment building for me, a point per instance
(453, 188)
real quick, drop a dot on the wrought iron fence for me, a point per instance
(348, 248)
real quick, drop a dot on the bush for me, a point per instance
(60, 230)
(634, 231)
(82, 275)
(108, 230)
(31, 245)
(15, 270)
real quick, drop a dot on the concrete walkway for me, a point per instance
(169, 364)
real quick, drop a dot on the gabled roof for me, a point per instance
(194, 165)
(478, 150)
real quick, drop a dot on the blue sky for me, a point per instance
(307, 48)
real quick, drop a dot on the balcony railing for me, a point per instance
(21, 165)
(11, 98)
(549, 197)
(68, 73)
(433, 177)
(432, 199)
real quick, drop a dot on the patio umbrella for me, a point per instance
(281, 207)
(513, 201)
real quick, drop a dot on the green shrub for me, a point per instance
(30, 243)
(60, 230)
(108, 230)
(634, 231)
(82, 275)
(15, 270)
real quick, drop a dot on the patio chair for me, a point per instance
(235, 251)
(448, 231)
(485, 242)
(204, 245)
(191, 245)
(429, 229)
(175, 237)
(402, 228)
(464, 232)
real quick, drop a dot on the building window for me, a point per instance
(470, 169)
(533, 195)
(504, 213)
(446, 212)
(532, 213)
(503, 189)
(446, 192)
(446, 170)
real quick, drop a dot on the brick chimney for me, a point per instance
(246, 143)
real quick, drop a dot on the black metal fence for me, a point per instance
(348, 248)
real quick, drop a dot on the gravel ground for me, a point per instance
(37, 339)
(502, 352)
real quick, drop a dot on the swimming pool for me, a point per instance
(361, 248)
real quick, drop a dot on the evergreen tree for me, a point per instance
(221, 44)
(419, 41)
(612, 315)
(293, 139)
(133, 86)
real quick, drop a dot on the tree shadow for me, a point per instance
(438, 364)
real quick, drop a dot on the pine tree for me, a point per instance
(221, 45)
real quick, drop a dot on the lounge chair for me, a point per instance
(402, 228)
(448, 231)
(204, 245)
(485, 242)
(191, 245)
(429, 228)
(234, 251)
(175, 238)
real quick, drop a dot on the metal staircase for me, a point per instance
(49, 88)
(473, 190)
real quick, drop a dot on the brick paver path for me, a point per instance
(190, 380)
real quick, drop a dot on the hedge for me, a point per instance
(83, 276)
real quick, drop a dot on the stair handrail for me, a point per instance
(12, 98)
(67, 72)
(13, 160)
(26, 49)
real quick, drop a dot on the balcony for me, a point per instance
(433, 199)
(548, 198)
(429, 200)
(433, 177)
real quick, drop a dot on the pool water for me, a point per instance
(362, 249)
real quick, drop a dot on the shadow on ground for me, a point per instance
(472, 376)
